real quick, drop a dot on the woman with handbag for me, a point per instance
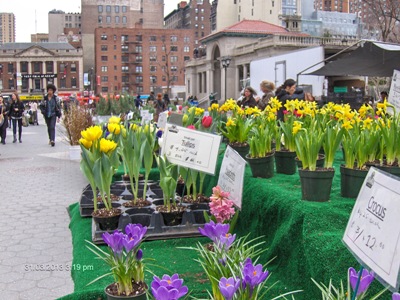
(3, 120)
(16, 114)
(51, 110)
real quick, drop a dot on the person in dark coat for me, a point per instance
(288, 91)
(16, 113)
(138, 101)
(160, 106)
(4, 109)
(267, 87)
(51, 110)
(248, 98)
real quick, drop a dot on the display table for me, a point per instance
(303, 237)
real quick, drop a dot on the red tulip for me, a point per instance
(206, 121)
(191, 127)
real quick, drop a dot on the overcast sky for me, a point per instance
(27, 11)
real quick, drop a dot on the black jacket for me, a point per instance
(16, 114)
(55, 107)
(283, 96)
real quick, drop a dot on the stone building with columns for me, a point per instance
(28, 67)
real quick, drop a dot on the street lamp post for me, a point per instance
(225, 61)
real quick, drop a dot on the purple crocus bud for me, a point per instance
(395, 296)
(225, 241)
(365, 281)
(253, 275)
(114, 241)
(159, 133)
(214, 231)
(139, 255)
(228, 287)
(222, 261)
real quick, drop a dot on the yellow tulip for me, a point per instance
(92, 133)
(114, 128)
(114, 119)
(107, 146)
(87, 144)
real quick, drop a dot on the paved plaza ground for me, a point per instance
(37, 184)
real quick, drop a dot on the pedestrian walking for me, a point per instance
(16, 114)
(51, 110)
(3, 120)
(34, 109)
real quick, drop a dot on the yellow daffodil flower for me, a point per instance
(347, 125)
(230, 122)
(296, 127)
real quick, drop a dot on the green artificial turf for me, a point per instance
(304, 238)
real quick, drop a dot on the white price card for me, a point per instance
(162, 119)
(394, 94)
(231, 175)
(191, 148)
(144, 112)
(373, 231)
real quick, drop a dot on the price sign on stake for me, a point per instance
(191, 148)
(231, 175)
(373, 230)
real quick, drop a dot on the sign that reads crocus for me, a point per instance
(373, 231)
(394, 94)
(191, 148)
(231, 175)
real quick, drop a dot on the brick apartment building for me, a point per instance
(140, 60)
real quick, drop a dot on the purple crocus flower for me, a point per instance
(168, 288)
(214, 231)
(225, 241)
(139, 255)
(253, 275)
(134, 235)
(395, 296)
(365, 281)
(159, 133)
(114, 241)
(228, 287)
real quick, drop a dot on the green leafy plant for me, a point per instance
(261, 136)
(168, 181)
(332, 138)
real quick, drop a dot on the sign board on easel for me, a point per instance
(231, 175)
(394, 93)
(191, 148)
(373, 231)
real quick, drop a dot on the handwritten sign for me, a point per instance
(191, 148)
(373, 230)
(231, 175)
(147, 117)
(394, 94)
(162, 120)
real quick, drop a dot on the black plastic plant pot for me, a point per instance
(138, 210)
(143, 219)
(199, 216)
(172, 218)
(285, 163)
(316, 185)
(197, 206)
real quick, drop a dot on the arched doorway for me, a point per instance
(216, 68)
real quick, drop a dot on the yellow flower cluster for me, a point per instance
(252, 111)
(229, 105)
(230, 122)
(197, 111)
(89, 135)
(107, 146)
(213, 107)
(275, 104)
(114, 120)
(296, 127)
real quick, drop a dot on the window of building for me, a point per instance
(124, 48)
(139, 79)
(63, 83)
(164, 78)
(25, 82)
(104, 78)
(139, 89)
(202, 18)
(11, 84)
(163, 58)
(138, 38)
(153, 48)
(196, 10)
(104, 68)
(185, 58)
(174, 59)
(186, 39)
(10, 68)
(73, 67)
(123, 20)
(153, 79)
(125, 78)
(115, 68)
(139, 58)
(196, 18)
(174, 38)
(125, 89)
(139, 49)
(139, 69)
(153, 69)
(115, 37)
(104, 58)
(153, 38)
(174, 78)
(116, 19)
(116, 78)
(115, 57)
(103, 37)
(202, 10)
(104, 48)
(104, 89)
(99, 9)
(100, 20)
(61, 69)
(36, 67)
(124, 9)
(174, 68)
(108, 8)
(125, 69)
(24, 67)
(73, 82)
(66, 18)
(115, 47)
(174, 48)
(125, 58)
(108, 19)
(116, 8)
(153, 58)
(124, 38)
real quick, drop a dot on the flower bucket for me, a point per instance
(351, 181)
(173, 217)
(394, 170)
(285, 163)
(110, 291)
(108, 222)
(316, 185)
(243, 150)
(262, 167)
(320, 161)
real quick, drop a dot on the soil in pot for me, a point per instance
(107, 219)
(114, 198)
(200, 202)
(140, 202)
(172, 217)
(139, 291)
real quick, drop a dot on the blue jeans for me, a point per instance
(51, 127)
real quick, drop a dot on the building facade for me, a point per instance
(194, 15)
(7, 28)
(28, 67)
(116, 14)
(59, 21)
(40, 38)
(333, 5)
(139, 60)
